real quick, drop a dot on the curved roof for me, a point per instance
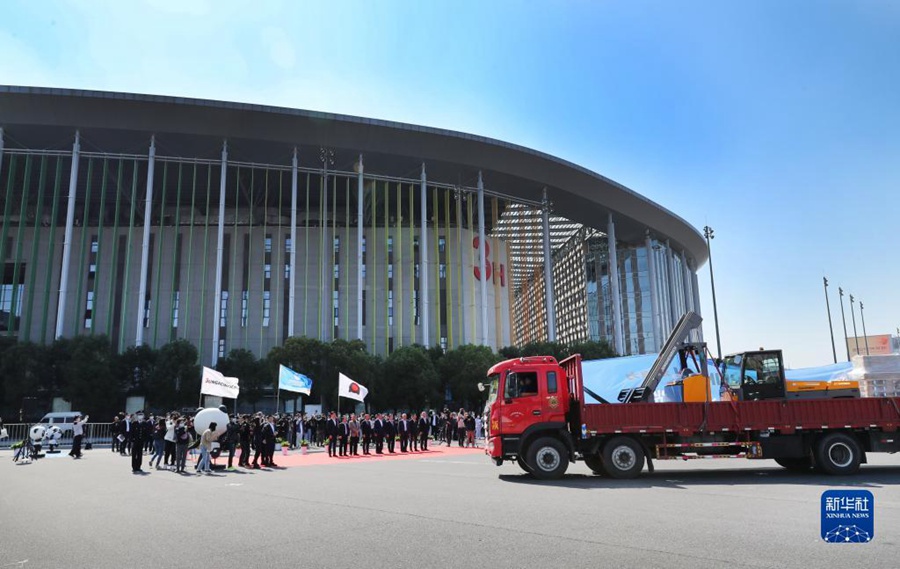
(122, 122)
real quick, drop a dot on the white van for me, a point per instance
(65, 421)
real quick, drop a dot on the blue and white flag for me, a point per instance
(290, 380)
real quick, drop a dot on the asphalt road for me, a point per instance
(438, 510)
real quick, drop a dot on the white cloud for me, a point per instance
(277, 42)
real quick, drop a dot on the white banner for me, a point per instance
(214, 383)
(350, 389)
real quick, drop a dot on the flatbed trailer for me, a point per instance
(552, 425)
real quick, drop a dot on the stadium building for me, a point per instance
(150, 219)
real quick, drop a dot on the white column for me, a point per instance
(481, 261)
(463, 313)
(654, 304)
(618, 341)
(696, 290)
(326, 249)
(220, 251)
(664, 310)
(686, 279)
(548, 271)
(67, 241)
(670, 266)
(293, 260)
(145, 246)
(423, 258)
(359, 251)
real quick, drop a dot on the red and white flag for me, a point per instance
(350, 389)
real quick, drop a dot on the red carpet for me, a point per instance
(320, 457)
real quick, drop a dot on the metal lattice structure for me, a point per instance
(521, 226)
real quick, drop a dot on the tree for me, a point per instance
(134, 367)
(252, 372)
(175, 379)
(87, 365)
(26, 370)
(461, 370)
(592, 350)
(589, 350)
(410, 378)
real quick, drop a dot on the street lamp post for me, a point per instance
(863, 317)
(853, 317)
(830, 327)
(844, 321)
(709, 234)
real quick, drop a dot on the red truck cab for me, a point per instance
(528, 399)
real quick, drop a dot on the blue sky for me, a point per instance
(776, 123)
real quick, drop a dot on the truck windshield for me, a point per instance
(494, 380)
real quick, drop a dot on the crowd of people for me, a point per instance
(168, 439)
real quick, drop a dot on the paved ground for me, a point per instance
(441, 509)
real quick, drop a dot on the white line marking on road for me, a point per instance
(450, 462)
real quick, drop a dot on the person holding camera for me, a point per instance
(182, 442)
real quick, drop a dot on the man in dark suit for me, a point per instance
(332, 430)
(136, 434)
(344, 435)
(390, 433)
(424, 424)
(268, 441)
(413, 432)
(378, 433)
(365, 427)
(403, 430)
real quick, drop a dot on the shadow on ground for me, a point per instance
(868, 477)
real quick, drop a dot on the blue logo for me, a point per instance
(848, 516)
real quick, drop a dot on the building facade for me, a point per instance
(151, 219)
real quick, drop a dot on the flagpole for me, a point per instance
(277, 398)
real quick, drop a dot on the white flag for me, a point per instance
(350, 389)
(214, 383)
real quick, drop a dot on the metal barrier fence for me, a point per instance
(95, 433)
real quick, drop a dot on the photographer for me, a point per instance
(182, 441)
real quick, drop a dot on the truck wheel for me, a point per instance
(523, 465)
(547, 458)
(623, 457)
(803, 464)
(595, 463)
(838, 453)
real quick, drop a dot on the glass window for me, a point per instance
(521, 384)
(551, 382)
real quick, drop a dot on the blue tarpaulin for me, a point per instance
(610, 376)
